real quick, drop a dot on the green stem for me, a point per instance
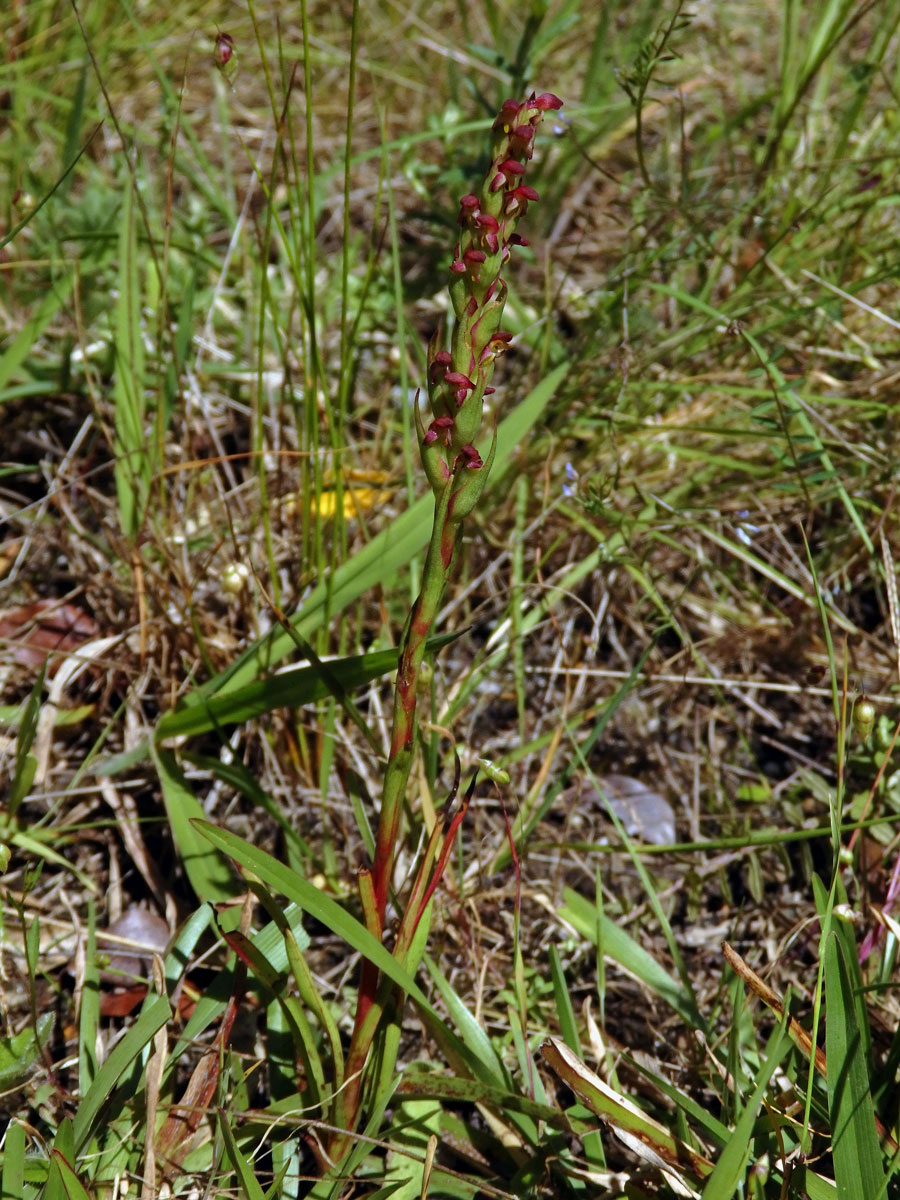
(370, 1006)
(400, 758)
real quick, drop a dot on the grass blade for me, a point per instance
(624, 950)
(249, 1184)
(209, 874)
(19, 348)
(202, 712)
(12, 1181)
(621, 1113)
(729, 1167)
(858, 1167)
(132, 469)
(135, 1041)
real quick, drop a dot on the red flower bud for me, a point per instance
(224, 49)
(517, 199)
(546, 100)
(439, 364)
(440, 425)
(457, 379)
(468, 207)
(509, 111)
(511, 167)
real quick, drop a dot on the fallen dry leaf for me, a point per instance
(33, 632)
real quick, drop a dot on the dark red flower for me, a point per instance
(224, 49)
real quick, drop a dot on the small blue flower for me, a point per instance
(569, 489)
(744, 529)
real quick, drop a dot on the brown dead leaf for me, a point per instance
(33, 632)
(174, 1138)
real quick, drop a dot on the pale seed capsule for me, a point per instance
(845, 913)
(235, 577)
(864, 714)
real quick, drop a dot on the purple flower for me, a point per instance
(569, 489)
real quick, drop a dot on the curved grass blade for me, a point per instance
(135, 1041)
(203, 712)
(624, 950)
(621, 1113)
(858, 1165)
(285, 882)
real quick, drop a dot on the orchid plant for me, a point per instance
(458, 382)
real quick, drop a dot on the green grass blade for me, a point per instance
(729, 1168)
(469, 1029)
(201, 712)
(624, 950)
(124, 1053)
(62, 1182)
(290, 689)
(64, 1178)
(248, 1182)
(12, 1180)
(209, 874)
(26, 763)
(89, 1016)
(858, 1166)
(20, 1052)
(565, 1013)
(132, 467)
(20, 347)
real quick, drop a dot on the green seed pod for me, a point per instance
(864, 714)
(492, 771)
